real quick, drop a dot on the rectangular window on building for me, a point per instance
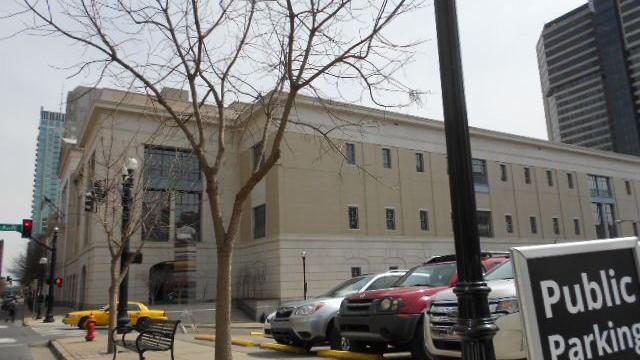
(390, 218)
(386, 158)
(508, 220)
(187, 212)
(635, 228)
(424, 220)
(260, 221)
(627, 185)
(356, 271)
(503, 172)
(527, 175)
(556, 225)
(479, 169)
(419, 162)
(155, 224)
(484, 223)
(549, 178)
(576, 226)
(353, 217)
(350, 153)
(534, 224)
(256, 155)
(570, 180)
(599, 186)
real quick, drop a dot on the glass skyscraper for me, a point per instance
(46, 182)
(589, 62)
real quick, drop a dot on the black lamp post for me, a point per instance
(475, 324)
(123, 295)
(304, 272)
(43, 265)
(52, 269)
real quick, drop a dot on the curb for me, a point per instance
(59, 351)
(239, 342)
(348, 355)
(284, 348)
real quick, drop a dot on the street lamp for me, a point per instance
(130, 165)
(52, 269)
(304, 272)
(43, 264)
(475, 325)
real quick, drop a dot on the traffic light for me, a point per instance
(27, 226)
(59, 281)
(89, 201)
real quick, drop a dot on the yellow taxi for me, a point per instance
(137, 312)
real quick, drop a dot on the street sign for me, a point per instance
(580, 300)
(11, 227)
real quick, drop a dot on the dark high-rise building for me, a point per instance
(589, 61)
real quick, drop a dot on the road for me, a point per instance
(15, 342)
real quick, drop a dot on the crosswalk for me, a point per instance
(57, 330)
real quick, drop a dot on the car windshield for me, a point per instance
(348, 287)
(500, 272)
(428, 275)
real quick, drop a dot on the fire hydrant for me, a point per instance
(90, 325)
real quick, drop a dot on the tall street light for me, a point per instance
(130, 165)
(43, 265)
(52, 269)
(304, 272)
(475, 325)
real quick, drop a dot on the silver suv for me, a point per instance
(310, 322)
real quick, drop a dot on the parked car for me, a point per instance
(138, 312)
(311, 322)
(509, 341)
(374, 320)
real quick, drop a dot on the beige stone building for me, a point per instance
(381, 202)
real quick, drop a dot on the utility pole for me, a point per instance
(52, 268)
(304, 273)
(475, 325)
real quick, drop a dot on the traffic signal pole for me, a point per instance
(52, 269)
(475, 325)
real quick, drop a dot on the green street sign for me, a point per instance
(11, 227)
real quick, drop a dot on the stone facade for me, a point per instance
(533, 191)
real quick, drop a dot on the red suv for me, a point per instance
(372, 320)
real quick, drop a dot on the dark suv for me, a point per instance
(373, 320)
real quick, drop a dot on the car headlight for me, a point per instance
(270, 318)
(308, 309)
(389, 304)
(505, 306)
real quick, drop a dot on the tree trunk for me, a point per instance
(223, 302)
(113, 306)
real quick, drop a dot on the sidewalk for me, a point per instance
(79, 349)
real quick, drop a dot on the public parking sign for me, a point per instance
(580, 300)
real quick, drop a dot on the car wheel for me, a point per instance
(281, 341)
(335, 340)
(418, 346)
(82, 322)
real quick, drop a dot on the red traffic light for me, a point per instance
(27, 226)
(59, 281)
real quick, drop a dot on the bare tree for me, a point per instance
(244, 63)
(104, 177)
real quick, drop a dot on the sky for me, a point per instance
(502, 85)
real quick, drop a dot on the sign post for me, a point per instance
(580, 300)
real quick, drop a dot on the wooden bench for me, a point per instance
(154, 335)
